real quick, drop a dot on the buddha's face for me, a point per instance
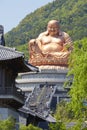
(53, 28)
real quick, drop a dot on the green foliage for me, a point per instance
(24, 49)
(78, 125)
(57, 126)
(75, 111)
(71, 13)
(29, 127)
(60, 116)
(8, 124)
(78, 68)
(62, 112)
(65, 117)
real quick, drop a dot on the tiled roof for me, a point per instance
(7, 53)
(38, 103)
(15, 60)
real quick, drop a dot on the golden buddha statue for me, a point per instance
(52, 47)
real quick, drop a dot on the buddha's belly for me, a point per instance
(51, 47)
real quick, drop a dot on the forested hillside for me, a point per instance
(72, 15)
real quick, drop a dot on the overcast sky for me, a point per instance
(13, 11)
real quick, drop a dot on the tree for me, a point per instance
(78, 68)
(75, 110)
(29, 127)
(8, 124)
(62, 113)
(57, 126)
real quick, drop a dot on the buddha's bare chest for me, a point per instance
(52, 44)
(49, 40)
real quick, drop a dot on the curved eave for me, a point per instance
(18, 65)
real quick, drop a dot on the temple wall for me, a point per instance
(47, 75)
(9, 112)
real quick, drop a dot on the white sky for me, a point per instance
(13, 11)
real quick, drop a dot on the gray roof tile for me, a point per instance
(38, 102)
(9, 53)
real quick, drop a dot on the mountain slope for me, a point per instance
(72, 16)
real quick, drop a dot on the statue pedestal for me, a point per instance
(50, 75)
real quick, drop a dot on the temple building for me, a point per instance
(11, 98)
(11, 63)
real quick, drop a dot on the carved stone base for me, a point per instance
(49, 61)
